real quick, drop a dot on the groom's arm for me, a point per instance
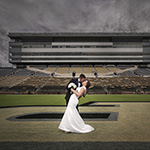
(71, 81)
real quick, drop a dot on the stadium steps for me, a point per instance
(43, 71)
(125, 70)
(95, 69)
(101, 84)
(107, 68)
(56, 69)
(42, 85)
(19, 82)
(82, 71)
(51, 68)
(69, 70)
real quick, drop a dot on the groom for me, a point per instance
(78, 83)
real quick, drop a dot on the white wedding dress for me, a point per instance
(72, 121)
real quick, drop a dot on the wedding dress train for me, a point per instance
(72, 121)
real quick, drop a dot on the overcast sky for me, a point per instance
(71, 15)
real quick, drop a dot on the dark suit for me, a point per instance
(68, 94)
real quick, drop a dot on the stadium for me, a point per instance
(32, 91)
(115, 63)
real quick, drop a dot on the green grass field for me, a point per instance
(23, 100)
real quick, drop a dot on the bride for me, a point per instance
(72, 121)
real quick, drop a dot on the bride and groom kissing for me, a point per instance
(72, 121)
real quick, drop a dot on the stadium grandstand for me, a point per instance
(43, 63)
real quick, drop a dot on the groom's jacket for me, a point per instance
(68, 94)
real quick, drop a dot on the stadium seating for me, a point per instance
(51, 68)
(122, 67)
(7, 71)
(63, 70)
(28, 81)
(11, 80)
(35, 81)
(126, 84)
(113, 69)
(101, 69)
(76, 69)
(23, 72)
(38, 66)
(88, 70)
(55, 86)
(30, 85)
(96, 87)
(142, 72)
(41, 74)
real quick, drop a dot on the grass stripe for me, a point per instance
(15, 100)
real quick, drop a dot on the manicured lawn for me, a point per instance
(15, 100)
(23, 100)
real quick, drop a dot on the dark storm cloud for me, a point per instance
(71, 15)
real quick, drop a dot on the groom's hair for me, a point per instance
(82, 76)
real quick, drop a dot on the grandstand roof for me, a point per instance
(84, 34)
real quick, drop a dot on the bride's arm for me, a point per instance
(79, 94)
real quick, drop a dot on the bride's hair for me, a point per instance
(88, 84)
